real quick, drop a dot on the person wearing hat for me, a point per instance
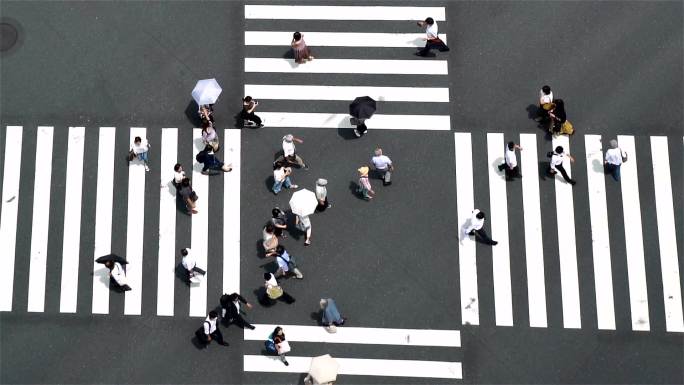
(322, 195)
(290, 153)
(364, 188)
(614, 159)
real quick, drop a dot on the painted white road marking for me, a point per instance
(8, 218)
(348, 66)
(377, 122)
(231, 212)
(380, 94)
(135, 229)
(166, 269)
(200, 224)
(340, 39)
(328, 12)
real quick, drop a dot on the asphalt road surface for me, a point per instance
(596, 301)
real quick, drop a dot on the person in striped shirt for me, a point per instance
(364, 188)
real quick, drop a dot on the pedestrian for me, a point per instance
(189, 262)
(432, 40)
(210, 330)
(545, 102)
(286, 264)
(299, 49)
(206, 113)
(209, 136)
(322, 195)
(270, 240)
(274, 291)
(279, 221)
(290, 152)
(188, 195)
(476, 227)
(210, 161)
(247, 114)
(557, 157)
(178, 175)
(360, 126)
(364, 187)
(139, 149)
(117, 275)
(614, 159)
(383, 166)
(281, 177)
(278, 345)
(330, 315)
(559, 122)
(231, 311)
(303, 223)
(510, 164)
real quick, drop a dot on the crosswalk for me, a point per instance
(593, 182)
(164, 146)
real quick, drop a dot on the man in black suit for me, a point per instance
(232, 312)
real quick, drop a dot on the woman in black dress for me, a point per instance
(557, 114)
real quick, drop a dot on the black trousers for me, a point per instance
(250, 116)
(217, 336)
(240, 322)
(510, 173)
(564, 173)
(433, 44)
(484, 237)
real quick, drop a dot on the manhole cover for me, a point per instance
(8, 36)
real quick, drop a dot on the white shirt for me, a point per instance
(288, 148)
(431, 31)
(271, 281)
(614, 156)
(282, 261)
(119, 274)
(211, 327)
(140, 148)
(511, 161)
(381, 162)
(189, 261)
(279, 174)
(305, 221)
(475, 222)
(557, 159)
(178, 176)
(321, 192)
(543, 98)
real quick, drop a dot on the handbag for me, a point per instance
(274, 292)
(624, 156)
(283, 347)
(131, 155)
(291, 265)
(200, 333)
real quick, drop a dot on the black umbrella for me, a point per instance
(362, 107)
(111, 257)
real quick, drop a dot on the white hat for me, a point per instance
(322, 182)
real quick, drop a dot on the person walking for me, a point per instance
(209, 136)
(364, 188)
(231, 311)
(286, 264)
(330, 315)
(614, 159)
(178, 175)
(188, 195)
(299, 49)
(274, 291)
(210, 161)
(279, 221)
(277, 344)
(432, 40)
(303, 223)
(545, 102)
(140, 148)
(290, 152)
(117, 275)
(210, 330)
(510, 164)
(557, 157)
(558, 116)
(189, 262)
(206, 113)
(247, 114)
(383, 166)
(476, 228)
(269, 239)
(281, 177)
(322, 195)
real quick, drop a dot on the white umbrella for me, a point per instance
(324, 369)
(206, 91)
(303, 202)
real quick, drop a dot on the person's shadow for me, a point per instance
(192, 115)
(354, 189)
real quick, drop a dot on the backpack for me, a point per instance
(201, 156)
(270, 346)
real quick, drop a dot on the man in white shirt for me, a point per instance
(140, 148)
(189, 262)
(557, 157)
(510, 164)
(476, 227)
(431, 38)
(290, 153)
(614, 156)
(545, 102)
(211, 330)
(383, 166)
(117, 274)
